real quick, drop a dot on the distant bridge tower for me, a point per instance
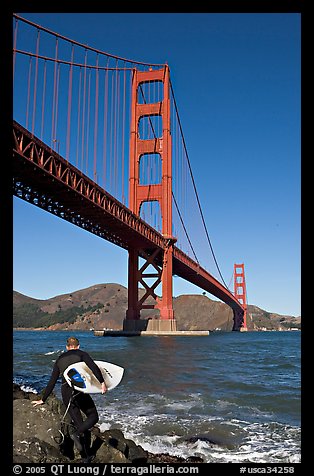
(240, 294)
(160, 192)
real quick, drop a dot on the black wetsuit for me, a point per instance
(81, 401)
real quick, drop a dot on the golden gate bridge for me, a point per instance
(98, 141)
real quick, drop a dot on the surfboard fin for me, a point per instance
(76, 378)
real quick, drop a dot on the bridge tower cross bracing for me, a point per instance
(240, 293)
(161, 192)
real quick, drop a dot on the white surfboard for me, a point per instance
(80, 376)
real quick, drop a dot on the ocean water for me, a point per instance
(228, 397)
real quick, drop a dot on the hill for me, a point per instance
(104, 306)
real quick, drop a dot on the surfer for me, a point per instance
(78, 401)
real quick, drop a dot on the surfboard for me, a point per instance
(80, 376)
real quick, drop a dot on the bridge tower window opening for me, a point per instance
(150, 169)
(150, 127)
(150, 92)
(151, 213)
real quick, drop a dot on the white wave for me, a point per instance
(104, 426)
(53, 352)
(28, 389)
(164, 433)
(180, 405)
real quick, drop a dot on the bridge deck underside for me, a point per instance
(46, 180)
(39, 187)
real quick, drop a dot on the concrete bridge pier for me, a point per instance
(239, 321)
(150, 325)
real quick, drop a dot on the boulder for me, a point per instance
(41, 435)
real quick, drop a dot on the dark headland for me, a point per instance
(103, 306)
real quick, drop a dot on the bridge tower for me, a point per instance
(160, 192)
(240, 294)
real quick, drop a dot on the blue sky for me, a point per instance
(236, 79)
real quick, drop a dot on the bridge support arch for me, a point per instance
(159, 261)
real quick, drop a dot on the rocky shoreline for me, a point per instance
(37, 438)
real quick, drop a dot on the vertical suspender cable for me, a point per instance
(116, 128)
(35, 82)
(78, 132)
(57, 109)
(83, 111)
(117, 123)
(14, 44)
(69, 106)
(123, 132)
(176, 174)
(188, 238)
(88, 120)
(43, 102)
(105, 126)
(153, 164)
(53, 138)
(111, 135)
(96, 121)
(28, 89)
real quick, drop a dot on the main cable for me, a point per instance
(194, 186)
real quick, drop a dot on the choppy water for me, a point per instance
(239, 392)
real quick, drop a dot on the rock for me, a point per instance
(207, 438)
(167, 458)
(33, 450)
(132, 452)
(211, 440)
(18, 392)
(39, 422)
(37, 437)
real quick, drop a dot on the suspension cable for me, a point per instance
(194, 186)
(231, 279)
(175, 201)
(95, 50)
(184, 228)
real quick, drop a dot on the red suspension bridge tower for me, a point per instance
(160, 192)
(240, 292)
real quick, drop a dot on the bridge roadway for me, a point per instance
(44, 178)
